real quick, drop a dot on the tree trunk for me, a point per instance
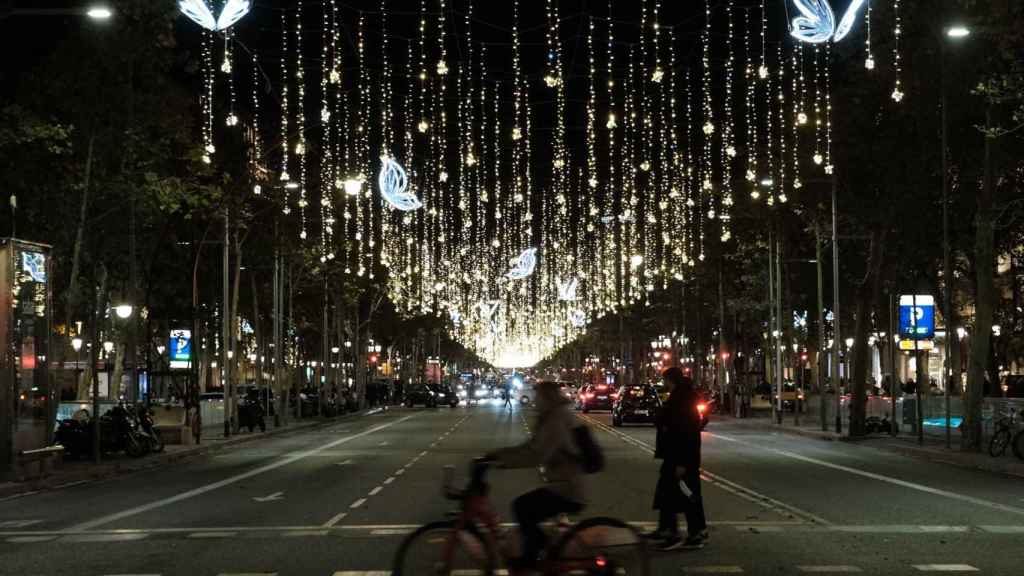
(83, 211)
(232, 373)
(258, 363)
(984, 257)
(867, 294)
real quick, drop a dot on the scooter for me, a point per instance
(146, 432)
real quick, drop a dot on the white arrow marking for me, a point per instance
(272, 498)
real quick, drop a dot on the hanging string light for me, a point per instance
(752, 145)
(300, 119)
(231, 120)
(207, 98)
(285, 145)
(869, 60)
(897, 93)
(728, 144)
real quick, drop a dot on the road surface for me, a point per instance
(337, 500)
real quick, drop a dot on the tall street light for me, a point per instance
(953, 33)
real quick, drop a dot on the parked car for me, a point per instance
(420, 394)
(597, 397)
(636, 405)
(792, 397)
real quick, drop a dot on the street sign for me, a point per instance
(180, 348)
(917, 317)
(917, 345)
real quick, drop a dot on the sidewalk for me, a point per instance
(71, 472)
(933, 449)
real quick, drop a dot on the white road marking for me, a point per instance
(271, 498)
(358, 503)
(376, 490)
(422, 454)
(400, 471)
(433, 444)
(391, 531)
(1003, 529)
(228, 481)
(345, 463)
(104, 537)
(829, 569)
(363, 573)
(389, 480)
(302, 533)
(248, 574)
(712, 570)
(19, 523)
(946, 568)
(728, 485)
(29, 539)
(881, 478)
(335, 519)
(204, 535)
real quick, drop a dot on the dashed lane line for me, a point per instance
(335, 519)
(357, 503)
(211, 535)
(945, 568)
(843, 569)
(376, 490)
(231, 480)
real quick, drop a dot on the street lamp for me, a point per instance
(99, 12)
(124, 311)
(76, 344)
(958, 31)
(108, 346)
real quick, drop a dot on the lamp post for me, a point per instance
(956, 32)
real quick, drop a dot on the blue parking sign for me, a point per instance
(917, 317)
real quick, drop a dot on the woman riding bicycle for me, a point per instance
(552, 446)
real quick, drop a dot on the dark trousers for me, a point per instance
(533, 508)
(669, 500)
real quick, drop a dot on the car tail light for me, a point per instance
(702, 407)
(589, 395)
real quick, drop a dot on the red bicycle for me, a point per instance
(471, 542)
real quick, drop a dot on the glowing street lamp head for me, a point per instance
(99, 12)
(958, 31)
(123, 311)
(76, 344)
(108, 346)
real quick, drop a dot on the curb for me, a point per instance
(935, 456)
(109, 470)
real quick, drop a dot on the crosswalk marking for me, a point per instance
(828, 569)
(945, 568)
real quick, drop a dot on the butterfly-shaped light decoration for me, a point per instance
(567, 290)
(817, 21)
(393, 184)
(200, 13)
(578, 318)
(523, 266)
(846, 24)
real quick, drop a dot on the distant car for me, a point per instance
(597, 397)
(792, 397)
(636, 405)
(443, 394)
(420, 395)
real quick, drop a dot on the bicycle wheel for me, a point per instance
(997, 445)
(601, 547)
(423, 552)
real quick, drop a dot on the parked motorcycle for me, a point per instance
(118, 433)
(251, 414)
(147, 433)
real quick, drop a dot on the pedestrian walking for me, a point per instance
(508, 395)
(678, 447)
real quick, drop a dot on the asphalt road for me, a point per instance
(337, 500)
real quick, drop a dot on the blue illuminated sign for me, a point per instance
(917, 317)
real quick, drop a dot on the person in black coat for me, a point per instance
(678, 447)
